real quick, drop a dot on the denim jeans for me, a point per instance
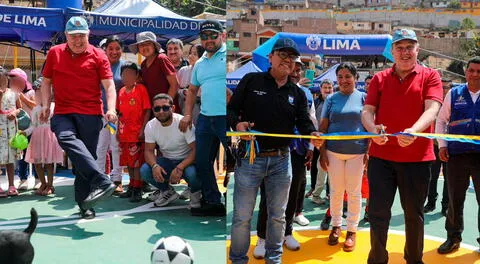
(189, 174)
(209, 132)
(276, 173)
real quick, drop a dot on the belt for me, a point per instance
(273, 152)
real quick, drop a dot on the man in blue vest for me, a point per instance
(460, 114)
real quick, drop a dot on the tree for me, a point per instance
(191, 8)
(454, 4)
(467, 24)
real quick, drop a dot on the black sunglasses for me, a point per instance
(212, 36)
(283, 55)
(164, 108)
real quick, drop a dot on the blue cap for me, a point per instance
(286, 44)
(401, 34)
(76, 25)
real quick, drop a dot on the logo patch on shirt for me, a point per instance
(291, 100)
(259, 92)
(460, 101)
(132, 101)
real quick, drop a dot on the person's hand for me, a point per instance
(308, 159)
(404, 140)
(111, 116)
(176, 175)
(44, 114)
(141, 135)
(317, 142)
(245, 126)
(305, 82)
(158, 172)
(12, 115)
(324, 161)
(22, 132)
(365, 160)
(185, 123)
(443, 153)
(379, 129)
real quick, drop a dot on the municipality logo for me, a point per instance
(313, 42)
(89, 18)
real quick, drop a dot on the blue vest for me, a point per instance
(464, 120)
(301, 145)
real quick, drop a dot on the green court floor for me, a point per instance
(122, 232)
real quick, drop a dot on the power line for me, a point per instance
(209, 5)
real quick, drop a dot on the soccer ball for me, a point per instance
(172, 250)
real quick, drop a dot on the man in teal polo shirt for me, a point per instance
(209, 74)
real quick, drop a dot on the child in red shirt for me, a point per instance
(133, 107)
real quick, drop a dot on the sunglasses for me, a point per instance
(164, 108)
(212, 36)
(284, 55)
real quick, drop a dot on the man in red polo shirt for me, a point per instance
(405, 98)
(75, 70)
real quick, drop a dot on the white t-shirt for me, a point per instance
(171, 141)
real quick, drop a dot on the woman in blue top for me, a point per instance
(344, 159)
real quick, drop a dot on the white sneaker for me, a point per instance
(37, 184)
(318, 200)
(291, 243)
(185, 195)
(167, 197)
(155, 195)
(259, 250)
(23, 186)
(195, 200)
(301, 220)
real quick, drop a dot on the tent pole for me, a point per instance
(15, 57)
(33, 64)
(139, 59)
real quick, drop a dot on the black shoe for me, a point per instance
(209, 210)
(127, 193)
(148, 188)
(136, 195)
(98, 194)
(448, 246)
(365, 216)
(87, 214)
(430, 207)
(325, 224)
(444, 211)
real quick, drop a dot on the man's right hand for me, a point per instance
(185, 123)
(245, 126)
(380, 140)
(443, 153)
(158, 173)
(45, 114)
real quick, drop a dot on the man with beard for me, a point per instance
(178, 150)
(405, 98)
(75, 70)
(209, 74)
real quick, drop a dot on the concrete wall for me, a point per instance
(446, 46)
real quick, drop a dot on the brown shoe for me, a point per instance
(349, 244)
(334, 235)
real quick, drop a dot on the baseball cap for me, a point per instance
(286, 44)
(19, 73)
(76, 25)
(211, 25)
(299, 61)
(401, 34)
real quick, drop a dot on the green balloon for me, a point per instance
(19, 141)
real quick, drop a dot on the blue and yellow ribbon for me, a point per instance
(111, 127)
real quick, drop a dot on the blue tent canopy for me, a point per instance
(233, 78)
(328, 45)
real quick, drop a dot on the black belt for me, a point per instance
(273, 152)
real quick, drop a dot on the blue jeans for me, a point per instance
(209, 132)
(77, 134)
(189, 174)
(276, 172)
(23, 167)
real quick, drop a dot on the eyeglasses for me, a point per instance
(164, 108)
(284, 55)
(407, 49)
(212, 36)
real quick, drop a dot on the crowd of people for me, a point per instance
(162, 121)
(277, 102)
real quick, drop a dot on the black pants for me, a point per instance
(432, 187)
(460, 168)
(314, 168)
(411, 179)
(77, 134)
(295, 197)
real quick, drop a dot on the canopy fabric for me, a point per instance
(136, 8)
(328, 45)
(233, 78)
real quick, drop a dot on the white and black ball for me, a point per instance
(172, 250)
